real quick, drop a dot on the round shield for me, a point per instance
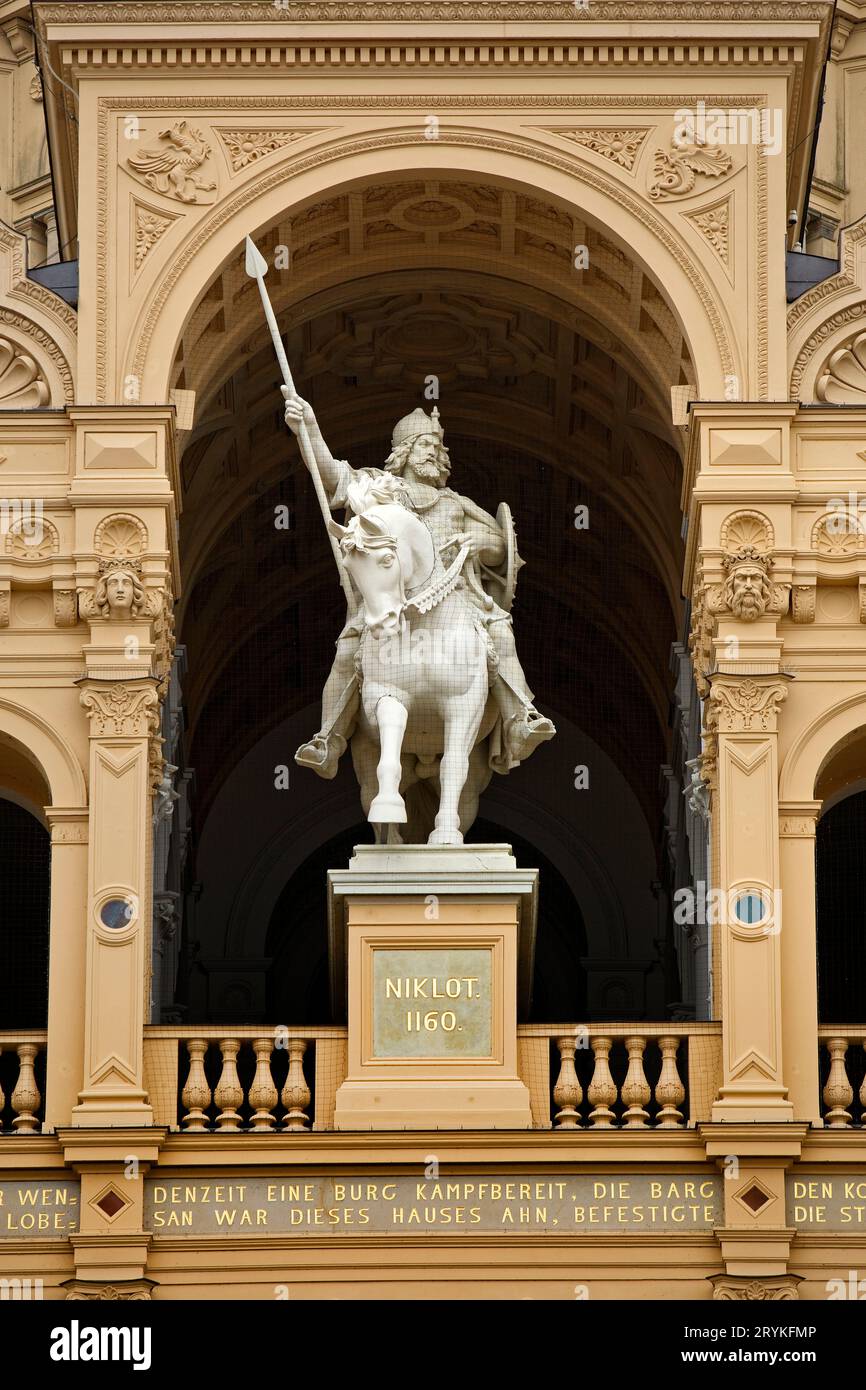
(504, 580)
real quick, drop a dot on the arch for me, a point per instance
(37, 321)
(48, 750)
(521, 163)
(815, 745)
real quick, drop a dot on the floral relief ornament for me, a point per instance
(740, 706)
(619, 146)
(122, 710)
(149, 227)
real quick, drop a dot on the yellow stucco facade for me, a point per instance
(433, 173)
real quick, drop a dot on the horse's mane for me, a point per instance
(367, 490)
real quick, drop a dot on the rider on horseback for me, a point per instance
(419, 457)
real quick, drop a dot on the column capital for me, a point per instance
(797, 819)
(746, 705)
(69, 825)
(127, 708)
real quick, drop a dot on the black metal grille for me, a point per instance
(25, 855)
(841, 912)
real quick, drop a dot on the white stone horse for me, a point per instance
(423, 668)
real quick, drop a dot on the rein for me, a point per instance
(441, 586)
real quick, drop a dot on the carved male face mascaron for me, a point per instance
(748, 592)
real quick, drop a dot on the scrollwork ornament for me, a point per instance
(730, 1288)
(746, 705)
(122, 710)
(803, 601)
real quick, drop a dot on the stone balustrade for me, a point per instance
(632, 1076)
(253, 1080)
(844, 1061)
(635, 1076)
(21, 1057)
(283, 1080)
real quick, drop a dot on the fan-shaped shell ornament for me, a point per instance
(22, 385)
(843, 381)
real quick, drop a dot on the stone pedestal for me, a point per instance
(433, 944)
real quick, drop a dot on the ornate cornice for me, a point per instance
(442, 12)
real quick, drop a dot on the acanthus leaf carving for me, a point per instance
(714, 224)
(744, 705)
(675, 175)
(122, 710)
(803, 602)
(65, 608)
(149, 227)
(740, 1289)
(619, 145)
(246, 147)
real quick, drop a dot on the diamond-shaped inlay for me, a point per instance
(754, 1197)
(110, 1203)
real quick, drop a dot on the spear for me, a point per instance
(257, 269)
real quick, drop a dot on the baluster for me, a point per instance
(2, 1097)
(635, 1091)
(567, 1093)
(263, 1092)
(862, 1098)
(670, 1091)
(229, 1093)
(837, 1093)
(296, 1092)
(26, 1097)
(602, 1089)
(195, 1095)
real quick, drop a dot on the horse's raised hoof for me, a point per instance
(387, 810)
(445, 837)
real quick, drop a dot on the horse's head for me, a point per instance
(387, 552)
(371, 555)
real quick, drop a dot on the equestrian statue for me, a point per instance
(426, 684)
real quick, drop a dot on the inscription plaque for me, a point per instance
(435, 1002)
(836, 1203)
(38, 1210)
(382, 1204)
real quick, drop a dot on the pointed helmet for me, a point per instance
(415, 424)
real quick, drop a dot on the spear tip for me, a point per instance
(256, 265)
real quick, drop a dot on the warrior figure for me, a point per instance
(419, 459)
